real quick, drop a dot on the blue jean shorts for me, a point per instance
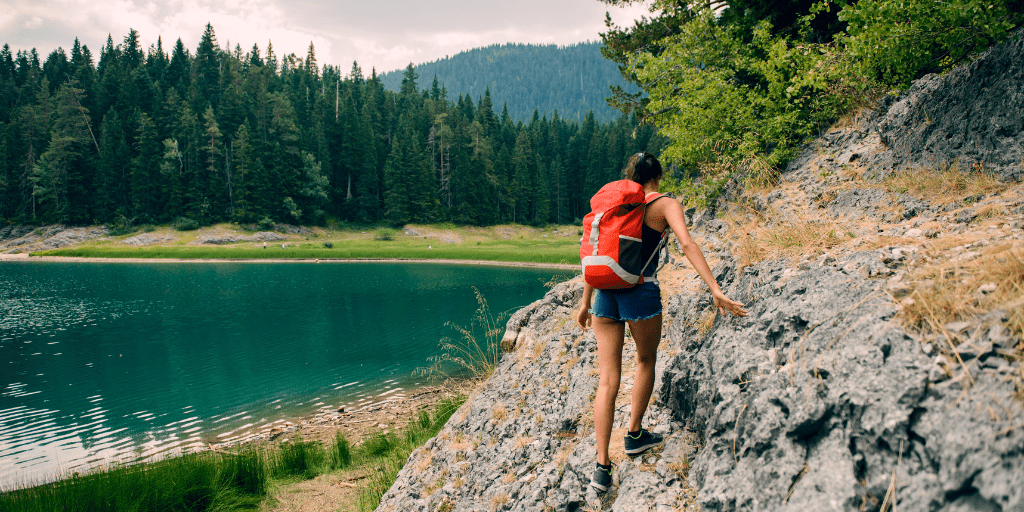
(630, 304)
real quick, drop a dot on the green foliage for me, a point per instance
(329, 245)
(197, 482)
(241, 480)
(185, 224)
(122, 226)
(728, 104)
(341, 451)
(475, 351)
(390, 451)
(304, 459)
(897, 41)
(738, 89)
(265, 224)
(384, 235)
(246, 471)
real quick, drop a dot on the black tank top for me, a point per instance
(650, 239)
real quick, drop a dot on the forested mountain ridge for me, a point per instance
(573, 79)
(153, 136)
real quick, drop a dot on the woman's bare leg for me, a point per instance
(647, 335)
(610, 335)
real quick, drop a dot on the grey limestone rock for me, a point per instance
(818, 400)
(24, 239)
(146, 239)
(231, 238)
(972, 115)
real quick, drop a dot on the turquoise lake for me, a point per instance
(102, 362)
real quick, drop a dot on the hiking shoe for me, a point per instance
(642, 442)
(602, 478)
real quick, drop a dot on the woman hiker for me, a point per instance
(640, 308)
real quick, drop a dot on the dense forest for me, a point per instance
(571, 79)
(150, 136)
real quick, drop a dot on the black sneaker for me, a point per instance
(602, 478)
(642, 442)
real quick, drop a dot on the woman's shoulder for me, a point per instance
(664, 202)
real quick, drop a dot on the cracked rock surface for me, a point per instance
(824, 398)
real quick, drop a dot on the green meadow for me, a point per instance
(509, 243)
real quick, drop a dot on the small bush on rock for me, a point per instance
(185, 224)
(265, 224)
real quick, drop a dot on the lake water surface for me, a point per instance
(108, 361)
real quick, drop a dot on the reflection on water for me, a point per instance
(114, 362)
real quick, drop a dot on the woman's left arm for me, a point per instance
(583, 315)
(673, 212)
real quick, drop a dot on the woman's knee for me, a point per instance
(609, 380)
(647, 360)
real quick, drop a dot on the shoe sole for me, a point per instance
(598, 486)
(638, 451)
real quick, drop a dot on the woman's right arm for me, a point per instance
(673, 212)
(583, 316)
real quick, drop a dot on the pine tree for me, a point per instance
(216, 181)
(60, 177)
(314, 189)
(207, 70)
(241, 175)
(144, 175)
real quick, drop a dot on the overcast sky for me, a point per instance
(382, 34)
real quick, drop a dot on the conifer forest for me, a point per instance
(136, 136)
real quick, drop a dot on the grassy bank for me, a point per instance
(240, 480)
(555, 245)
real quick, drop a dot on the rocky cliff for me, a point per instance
(880, 367)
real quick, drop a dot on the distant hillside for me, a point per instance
(572, 79)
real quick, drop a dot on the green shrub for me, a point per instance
(121, 226)
(246, 471)
(300, 458)
(379, 444)
(897, 41)
(329, 245)
(384, 235)
(341, 451)
(185, 224)
(265, 224)
(475, 350)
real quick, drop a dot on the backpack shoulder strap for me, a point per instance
(652, 197)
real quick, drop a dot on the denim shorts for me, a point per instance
(630, 304)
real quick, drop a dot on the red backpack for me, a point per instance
(611, 243)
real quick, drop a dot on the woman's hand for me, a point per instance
(583, 317)
(726, 304)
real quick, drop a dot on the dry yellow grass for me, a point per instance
(499, 413)
(947, 291)
(946, 185)
(562, 457)
(568, 364)
(499, 499)
(425, 461)
(522, 441)
(762, 237)
(706, 321)
(538, 348)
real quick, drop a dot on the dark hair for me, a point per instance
(642, 167)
